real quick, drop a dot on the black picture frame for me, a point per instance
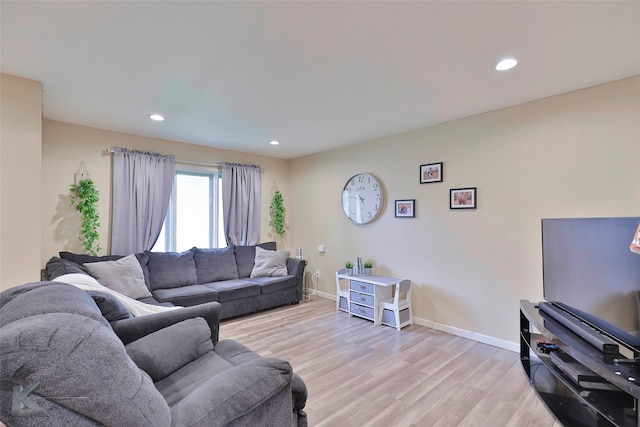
(405, 208)
(463, 198)
(431, 172)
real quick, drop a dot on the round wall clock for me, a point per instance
(362, 198)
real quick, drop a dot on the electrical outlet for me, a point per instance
(317, 274)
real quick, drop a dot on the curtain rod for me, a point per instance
(184, 162)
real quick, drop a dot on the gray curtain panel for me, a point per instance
(142, 184)
(241, 195)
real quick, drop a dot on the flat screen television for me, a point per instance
(587, 265)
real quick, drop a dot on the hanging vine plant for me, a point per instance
(276, 209)
(85, 197)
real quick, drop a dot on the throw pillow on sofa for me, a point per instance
(270, 263)
(123, 276)
(246, 255)
(110, 307)
(58, 267)
(79, 259)
(84, 258)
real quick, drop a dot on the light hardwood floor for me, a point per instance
(358, 374)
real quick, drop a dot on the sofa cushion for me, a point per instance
(151, 300)
(84, 258)
(143, 259)
(270, 263)
(246, 255)
(171, 269)
(186, 295)
(124, 276)
(163, 352)
(269, 285)
(110, 307)
(213, 265)
(230, 290)
(57, 267)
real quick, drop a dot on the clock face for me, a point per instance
(362, 198)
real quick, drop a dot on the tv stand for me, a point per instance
(635, 363)
(572, 399)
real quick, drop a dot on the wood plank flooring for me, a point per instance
(358, 374)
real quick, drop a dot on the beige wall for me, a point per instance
(65, 146)
(20, 204)
(574, 155)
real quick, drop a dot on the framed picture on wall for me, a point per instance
(431, 172)
(405, 208)
(463, 198)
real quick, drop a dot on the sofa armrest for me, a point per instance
(254, 393)
(129, 330)
(296, 268)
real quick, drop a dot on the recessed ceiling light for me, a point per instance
(156, 117)
(274, 142)
(506, 64)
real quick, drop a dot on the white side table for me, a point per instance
(366, 292)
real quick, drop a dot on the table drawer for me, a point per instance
(361, 286)
(362, 311)
(363, 299)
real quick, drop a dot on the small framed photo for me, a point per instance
(431, 173)
(463, 198)
(406, 208)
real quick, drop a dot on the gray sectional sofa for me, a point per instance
(229, 276)
(61, 363)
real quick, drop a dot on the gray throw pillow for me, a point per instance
(246, 255)
(163, 352)
(213, 265)
(57, 267)
(123, 276)
(270, 263)
(84, 258)
(111, 308)
(171, 269)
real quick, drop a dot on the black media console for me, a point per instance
(579, 383)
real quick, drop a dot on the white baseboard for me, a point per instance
(474, 336)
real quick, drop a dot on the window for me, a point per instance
(194, 217)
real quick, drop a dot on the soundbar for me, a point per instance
(583, 330)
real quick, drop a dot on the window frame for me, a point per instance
(215, 205)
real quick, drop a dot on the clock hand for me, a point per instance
(361, 199)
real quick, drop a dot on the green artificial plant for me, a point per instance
(348, 264)
(85, 197)
(276, 209)
(368, 264)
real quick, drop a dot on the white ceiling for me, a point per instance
(315, 75)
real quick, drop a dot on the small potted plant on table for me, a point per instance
(349, 266)
(368, 265)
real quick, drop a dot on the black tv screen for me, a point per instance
(587, 264)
